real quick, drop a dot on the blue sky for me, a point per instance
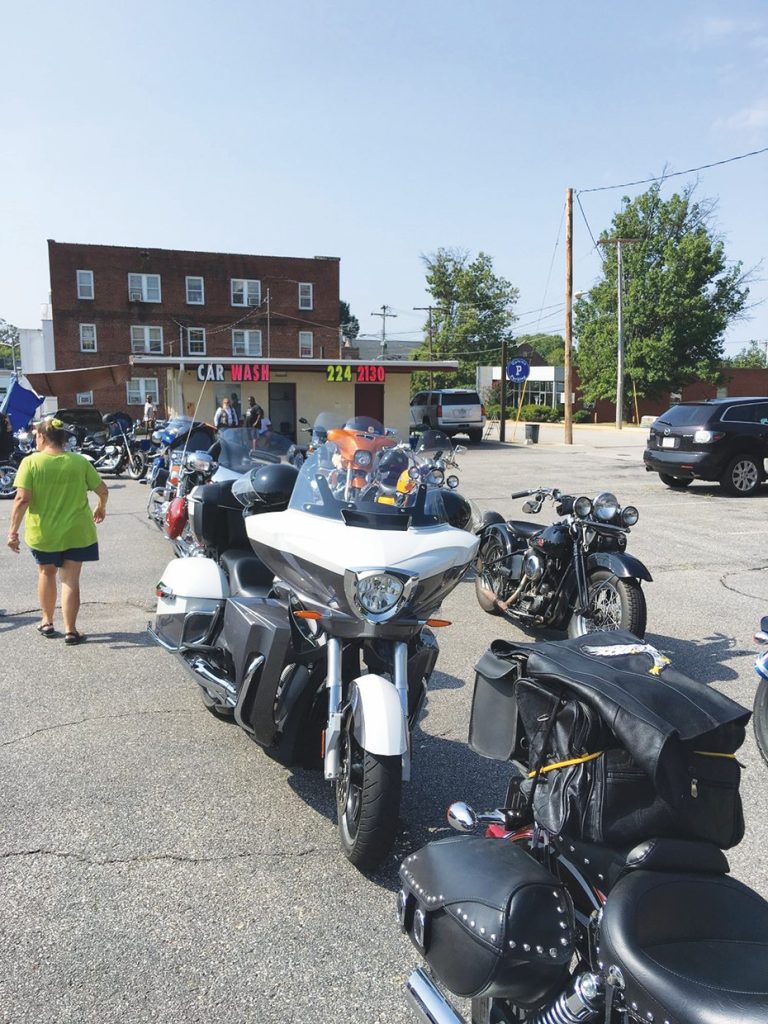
(375, 132)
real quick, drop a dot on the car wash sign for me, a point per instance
(238, 372)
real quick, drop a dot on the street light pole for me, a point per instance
(619, 242)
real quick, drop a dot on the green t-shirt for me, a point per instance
(59, 516)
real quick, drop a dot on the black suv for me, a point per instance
(723, 439)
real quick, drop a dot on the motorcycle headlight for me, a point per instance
(379, 592)
(436, 477)
(582, 507)
(605, 507)
(199, 462)
(363, 458)
(376, 594)
(452, 482)
(629, 516)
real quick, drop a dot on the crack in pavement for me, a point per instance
(740, 572)
(151, 858)
(99, 718)
(6, 614)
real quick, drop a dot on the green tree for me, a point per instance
(752, 356)
(680, 294)
(9, 336)
(551, 347)
(349, 324)
(473, 315)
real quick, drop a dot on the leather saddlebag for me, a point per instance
(488, 918)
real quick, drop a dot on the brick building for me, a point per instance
(196, 326)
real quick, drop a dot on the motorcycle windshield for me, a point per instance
(433, 444)
(366, 480)
(239, 449)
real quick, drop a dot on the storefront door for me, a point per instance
(369, 401)
(282, 409)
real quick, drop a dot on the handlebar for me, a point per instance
(522, 494)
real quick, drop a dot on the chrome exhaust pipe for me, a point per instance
(221, 686)
(428, 1002)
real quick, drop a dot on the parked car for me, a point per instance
(723, 439)
(452, 410)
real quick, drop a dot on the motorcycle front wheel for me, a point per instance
(137, 466)
(760, 718)
(367, 801)
(613, 604)
(490, 582)
(7, 476)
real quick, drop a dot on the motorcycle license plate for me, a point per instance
(669, 442)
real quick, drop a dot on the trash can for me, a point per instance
(532, 432)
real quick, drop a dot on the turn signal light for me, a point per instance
(308, 615)
(438, 623)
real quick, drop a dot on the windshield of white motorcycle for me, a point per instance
(434, 442)
(368, 482)
(241, 448)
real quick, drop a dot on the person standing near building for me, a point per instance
(60, 529)
(225, 415)
(150, 414)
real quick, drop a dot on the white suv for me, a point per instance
(452, 410)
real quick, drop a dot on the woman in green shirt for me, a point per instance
(52, 489)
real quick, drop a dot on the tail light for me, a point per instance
(176, 518)
(175, 473)
(482, 410)
(439, 410)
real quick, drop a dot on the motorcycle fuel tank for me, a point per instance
(553, 540)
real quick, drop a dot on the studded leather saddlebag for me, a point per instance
(488, 918)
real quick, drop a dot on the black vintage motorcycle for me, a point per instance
(575, 574)
(600, 890)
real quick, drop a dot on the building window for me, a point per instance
(195, 291)
(305, 344)
(147, 339)
(305, 296)
(246, 343)
(245, 293)
(84, 398)
(139, 388)
(85, 284)
(196, 341)
(144, 288)
(87, 337)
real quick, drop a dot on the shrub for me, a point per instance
(493, 411)
(582, 416)
(539, 413)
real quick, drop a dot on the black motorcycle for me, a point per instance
(574, 574)
(599, 892)
(116, 449)
(23, 444)
(760, 710)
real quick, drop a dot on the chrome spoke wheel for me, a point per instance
(605, 611)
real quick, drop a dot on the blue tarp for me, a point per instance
(20, 404)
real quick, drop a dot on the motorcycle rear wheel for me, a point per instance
(137, 466)
(7, 475)
(616, 603)
(367, 802)
(760, 718)
(489, 582)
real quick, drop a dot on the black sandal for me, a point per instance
(47, 630)
(74, 638)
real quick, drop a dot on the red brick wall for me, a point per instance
(113, 313)
(737, 382)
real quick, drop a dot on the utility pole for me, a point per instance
(567, 371)
(618, 242)
(429, 310)
(384, 314)
(503, 393)
(269, 340)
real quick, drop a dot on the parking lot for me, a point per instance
(155, 865)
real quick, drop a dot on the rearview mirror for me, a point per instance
(459, 449)
(530, 506)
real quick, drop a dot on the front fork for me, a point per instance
(336, 709)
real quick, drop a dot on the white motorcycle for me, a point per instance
(318, 638)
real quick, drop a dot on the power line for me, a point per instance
(552, 262)
(589, 229)
(675, 174)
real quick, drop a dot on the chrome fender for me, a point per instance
(378, 722)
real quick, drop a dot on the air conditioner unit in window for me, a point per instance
(253, 302)
(134, 295)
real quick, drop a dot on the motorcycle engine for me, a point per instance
(534, 565)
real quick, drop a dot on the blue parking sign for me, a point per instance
(518, 370)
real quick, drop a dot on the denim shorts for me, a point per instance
(57, 558)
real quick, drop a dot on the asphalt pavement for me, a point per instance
(156, 866)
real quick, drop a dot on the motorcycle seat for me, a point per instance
(692, 948)
(248, 576)
(524, 530)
